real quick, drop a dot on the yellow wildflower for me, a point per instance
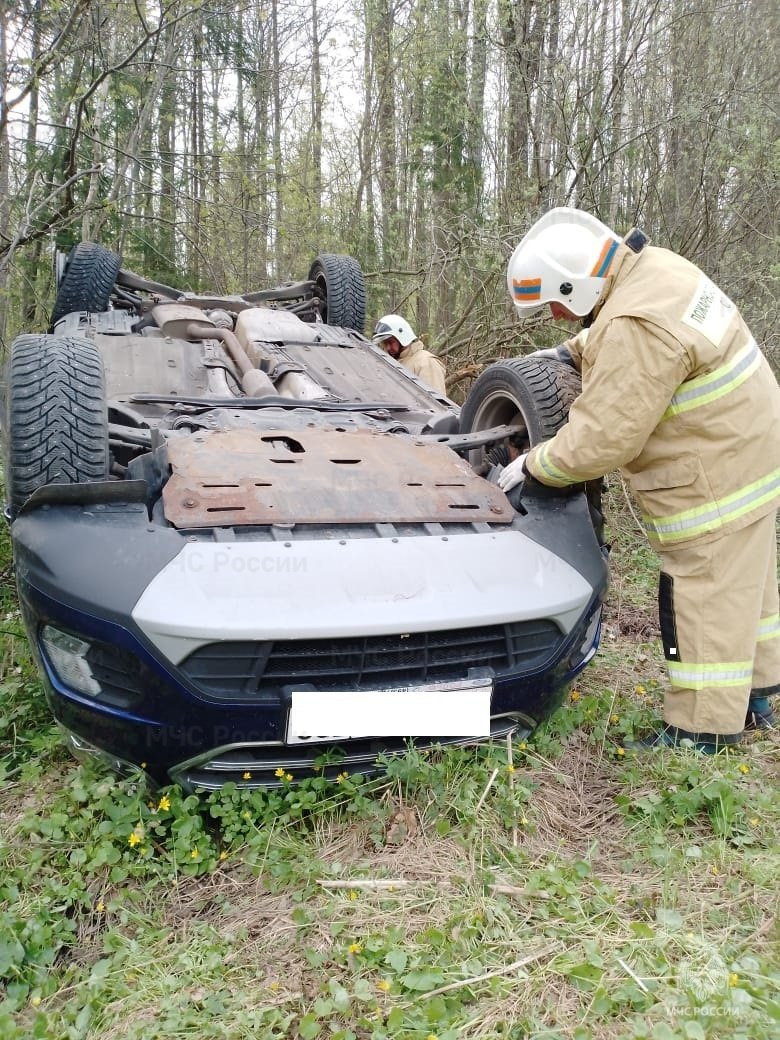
(35, 1001)
(614, 719)
(101, 907)
(754, 821)
(246, 815)
(133, 840)
(246, 776)
(164, 803)
(575, 695)
(733, 979)
(620, 752)
(744, 769)
(274, 986)
(714, 870)
(288, 777)
(355, 948)
(524, 820)
(383, 985)
(194, 853)
(341, 778)
(223, 855)
(431, 1036)
(279, 772)
(510, 768)
(522, 746)
(143, 765)
(640, 690)
(352, 895)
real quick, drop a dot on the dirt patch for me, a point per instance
(639, 624)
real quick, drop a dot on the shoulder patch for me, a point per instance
(709, 312)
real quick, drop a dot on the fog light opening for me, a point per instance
(67, 656)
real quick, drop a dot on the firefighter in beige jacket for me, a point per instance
(677, 394)
(395, 335)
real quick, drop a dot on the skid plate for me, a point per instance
(239, 477)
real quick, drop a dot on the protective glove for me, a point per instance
(513, 473)
(561, 353)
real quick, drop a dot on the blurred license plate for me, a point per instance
(440, 710)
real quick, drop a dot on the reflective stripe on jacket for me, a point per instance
(677, 394)
(423, 363)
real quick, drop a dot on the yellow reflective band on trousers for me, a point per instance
(713, 515)
(555, 476)
(768, 628)
(701, 676)
(703, 390)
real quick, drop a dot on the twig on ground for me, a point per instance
(633, 975)
(481, 802)
(630, 505)
(511, 768)
(368, 883)
(490, 974)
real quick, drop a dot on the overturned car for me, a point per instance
(248, 543)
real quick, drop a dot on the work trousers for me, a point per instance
(718, 609)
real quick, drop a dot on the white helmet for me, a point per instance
(565, 257)
(394, 325)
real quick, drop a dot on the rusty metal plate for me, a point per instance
(238, 477)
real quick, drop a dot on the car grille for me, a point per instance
(257, 765)
(246, 670)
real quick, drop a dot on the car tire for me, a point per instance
(56, 417)
(535, 393)
(87, 281)
(340, 288)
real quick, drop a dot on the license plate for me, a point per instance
(440, 710)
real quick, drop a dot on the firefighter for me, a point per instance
(396, 337)
(678, 396)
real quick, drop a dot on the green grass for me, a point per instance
(572, 893)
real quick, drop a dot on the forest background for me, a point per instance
(224, 145)
(571, 893)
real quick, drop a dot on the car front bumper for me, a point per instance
(149, 600)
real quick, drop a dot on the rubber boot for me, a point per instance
(760, 714)
(666, 736)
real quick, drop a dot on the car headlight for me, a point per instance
(67, 655)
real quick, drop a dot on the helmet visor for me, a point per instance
(382, 331)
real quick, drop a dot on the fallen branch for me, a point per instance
(375, 884)
(507, 890)
(496, 973)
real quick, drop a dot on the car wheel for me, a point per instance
(340, 289)
(56, 420)
(533, 393)
(87, 280)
